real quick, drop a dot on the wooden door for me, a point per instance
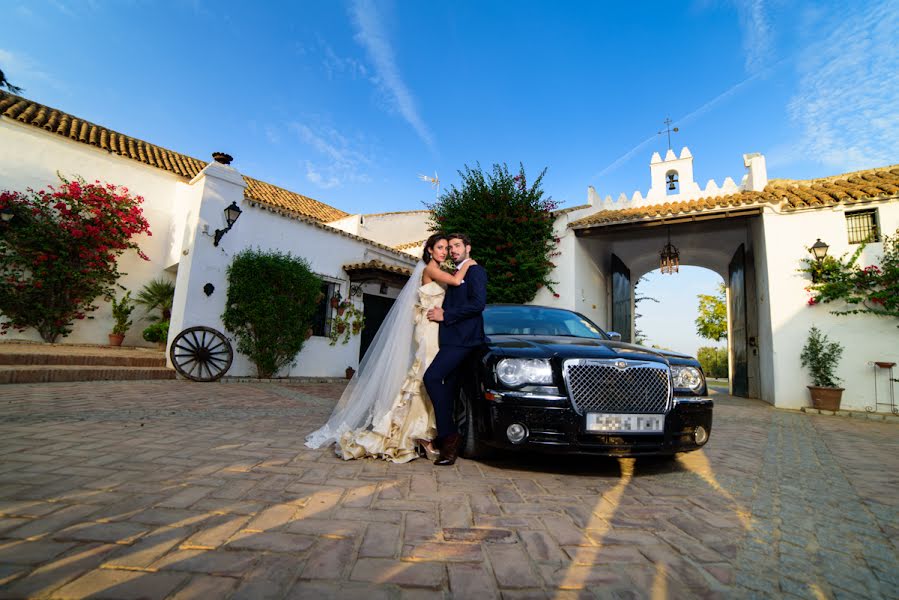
(622, 300)
(375, 310)
(736, 281)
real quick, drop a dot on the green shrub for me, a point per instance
(713, 361)
(121, 312)
(271, 301)
(821, 356)
(158, 294)
(157, 332)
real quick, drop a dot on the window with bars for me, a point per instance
(862, 226)
(323, 311)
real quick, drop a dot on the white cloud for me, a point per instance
(337, 65)
(757, 33)
(847, 101)
(370, 35)
(340, 160)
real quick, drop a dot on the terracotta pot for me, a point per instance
(341, 327)
(350, 371)
(308, 333)
(116, 339)
(160, 346)
(826, 398)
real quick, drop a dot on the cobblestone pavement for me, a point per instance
(179, 490)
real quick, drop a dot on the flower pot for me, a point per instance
(116, 339)
(341, 327)
(826, 398)
(350, 371)
(308, 333)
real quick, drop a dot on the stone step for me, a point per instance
(61, 373)
(146, 359)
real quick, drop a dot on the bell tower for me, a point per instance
(672, 178)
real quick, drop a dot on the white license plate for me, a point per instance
(610, 423)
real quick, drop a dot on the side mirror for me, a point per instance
(614, 336)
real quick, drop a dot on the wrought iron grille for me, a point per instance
(862, 226)
(601, 386)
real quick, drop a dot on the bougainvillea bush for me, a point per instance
(60, 251)
(510, 226)
(871, 289)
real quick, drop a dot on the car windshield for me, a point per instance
(538, 320)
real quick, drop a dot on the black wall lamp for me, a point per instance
(231, 215)
(6, 214)
(819, 250)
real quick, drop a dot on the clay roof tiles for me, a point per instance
(880, 183)
(55, 121)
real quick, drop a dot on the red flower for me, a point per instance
(812, 301)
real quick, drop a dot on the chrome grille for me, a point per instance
(601, 386)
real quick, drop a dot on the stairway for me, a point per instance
(50, 363)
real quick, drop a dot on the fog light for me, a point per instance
(516, 433)
(700, 435)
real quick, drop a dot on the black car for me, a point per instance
(551, 380)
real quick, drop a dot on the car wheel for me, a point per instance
(471, 447)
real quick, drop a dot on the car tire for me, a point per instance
(471, 447)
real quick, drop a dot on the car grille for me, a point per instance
(601, 386)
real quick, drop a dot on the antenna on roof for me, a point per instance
(434, 181)
(668, 130)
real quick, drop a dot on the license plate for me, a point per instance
(610, 423)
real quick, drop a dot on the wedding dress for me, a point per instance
(385, 408)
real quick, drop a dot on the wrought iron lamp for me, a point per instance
(819, 250)
(669, 257)
(231, 215)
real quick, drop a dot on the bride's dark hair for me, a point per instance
(426, 255)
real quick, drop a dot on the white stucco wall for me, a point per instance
(865, 338)
(390, 229)
(30, 157)
(327, 251)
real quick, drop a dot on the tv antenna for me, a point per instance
(434, 181)
(668, 129)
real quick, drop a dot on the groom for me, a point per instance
(461, 332)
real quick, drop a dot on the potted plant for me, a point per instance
(821, 357)
(348, 321)
(121, 312)
(157, 332)
(350, 371)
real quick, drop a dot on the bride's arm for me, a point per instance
(433, 271)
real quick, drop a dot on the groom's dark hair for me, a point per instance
(459, 236)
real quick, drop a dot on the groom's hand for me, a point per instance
(435, 314)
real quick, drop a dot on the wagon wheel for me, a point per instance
(201, 354)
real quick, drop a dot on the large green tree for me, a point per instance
(712, 320)
(510, 225)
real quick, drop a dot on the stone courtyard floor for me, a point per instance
(173, 489)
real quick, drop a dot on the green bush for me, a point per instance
(158, 294)
(271, 301)
(713, 361)
(121, 312)
(157, 332)
(821, 356)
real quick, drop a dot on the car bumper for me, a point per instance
(557, 428)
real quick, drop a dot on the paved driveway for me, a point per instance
(183, 490)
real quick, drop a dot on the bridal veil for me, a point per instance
(371, 391)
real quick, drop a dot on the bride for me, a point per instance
(384, 412)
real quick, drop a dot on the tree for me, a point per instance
(158, 294)
(639, 336)
(713, 361)
(59, 252)
(272, 298)
(712, 320)
(4, 83)
(510, 226)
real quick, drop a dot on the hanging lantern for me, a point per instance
(669, 257)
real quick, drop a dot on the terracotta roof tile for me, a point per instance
(880, 183)
(408, 245)
(55, 121)
(377, 265)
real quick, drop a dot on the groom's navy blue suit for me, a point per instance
(461, 332)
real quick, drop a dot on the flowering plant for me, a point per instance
(872, 289)
(58, 253)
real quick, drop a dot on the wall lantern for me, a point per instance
(6, 214)
(819, 250)
(231, 214)
(669, 257)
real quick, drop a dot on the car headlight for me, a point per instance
(689, 378)
(514, 372)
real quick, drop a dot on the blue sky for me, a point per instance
(348, 102)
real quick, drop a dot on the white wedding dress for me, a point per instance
(385, 408)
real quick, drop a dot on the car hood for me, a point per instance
(540, 346)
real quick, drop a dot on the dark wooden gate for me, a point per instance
(376, 309)
(736, 278)
(622, 303)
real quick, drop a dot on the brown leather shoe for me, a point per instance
(449, 450)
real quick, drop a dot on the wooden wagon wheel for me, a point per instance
(201, 354)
